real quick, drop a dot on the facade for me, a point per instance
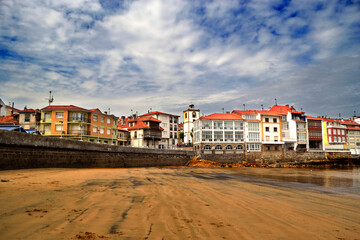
(2, 108)
(190, 116)
(29, 119)
(294, 128)
(315, 139)
(123, 132)
(76, 123)
(169, 124)
(271, 137)
(220, 133)
(334, 135)
(144, 132)
(352, 136)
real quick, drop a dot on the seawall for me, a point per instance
(20, 150)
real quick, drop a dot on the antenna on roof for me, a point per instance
(339, 115)
(223, 109)
(109, 110)
(262, 106)
(244, 106)
(50, 99)
(354, 113)
(275, 101)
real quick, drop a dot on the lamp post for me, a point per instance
(81, 130)
(62, 130)
(98, 130)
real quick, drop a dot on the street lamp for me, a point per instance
(81, 130)
(98, 130)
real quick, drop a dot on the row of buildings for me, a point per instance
(282, 128)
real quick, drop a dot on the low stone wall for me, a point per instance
(20, 150)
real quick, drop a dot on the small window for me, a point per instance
(185, 115)
(58, 128)
(60, 115)
(194, 114)
(95, 118)
(108, 131)
(266, 119)
(239, 147)
(229, 147)
(94, 129)
(108, 121)
(268, 148)
(102, 119)
(27, 117)
(218, 147)
(267, 129)
(274, 120)
(276, 148)
(275, 129)
(102, 130)
(171, 135)
(207, 147)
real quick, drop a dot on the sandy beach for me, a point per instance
(169, 203)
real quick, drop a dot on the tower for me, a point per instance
(190, 115)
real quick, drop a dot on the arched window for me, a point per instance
(194, 114)
(239, 147)
(218, 147)
(229, 147)
(207, 147)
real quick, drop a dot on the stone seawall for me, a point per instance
(20, 150)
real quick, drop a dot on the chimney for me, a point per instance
(134, 116)
(105, 112)
(228, 112)
(122, 120)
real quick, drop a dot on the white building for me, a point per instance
(190, 116)
(169, 123)
(2, 108)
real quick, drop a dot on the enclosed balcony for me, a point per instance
(152, 134)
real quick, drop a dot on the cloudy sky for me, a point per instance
(165, 54)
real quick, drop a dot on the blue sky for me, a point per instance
(166, 54)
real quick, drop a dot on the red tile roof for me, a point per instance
(223, 116)
(284, 109)
(8, 119)
(349, 122)
(245, 112)
(314, 118)
(149, 119)
(29, 110)
(140, 123)
(64, 107)
(269, 112)
(157, 112)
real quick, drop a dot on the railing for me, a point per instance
(79, 119)
(78, 132)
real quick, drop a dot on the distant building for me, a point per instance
(334, 135)
(76, 123)
(144, 131)
(2, 108)
(190, 116)
(29, 119)
(169, 123)
(123, 132)
(352, 136)
(315, 133)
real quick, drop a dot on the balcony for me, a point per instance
(152, 134)
(78, 132)
(79, 119)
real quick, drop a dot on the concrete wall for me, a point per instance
(20, 150)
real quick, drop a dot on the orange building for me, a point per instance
(76, 123)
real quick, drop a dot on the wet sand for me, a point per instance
(171, 203)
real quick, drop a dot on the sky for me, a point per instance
(137, 55)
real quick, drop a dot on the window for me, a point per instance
(268, 148)
(207, 147)
(239, 136)
(175, 119)
(342, 132)
(108, 131)
(78, 117)
(58, 128)
(254, 137)
(218, 147)
(27, 117)
(175, 127)
(343, 139)
(285, 126)
(229, 136)
(267, 138)
(274, 120)
(283, 118)
(102, 119)
(47, 116)
(170, 119)
(266, 119)
(329, 131)
(95, 118)
(102, 130)
(239, 147)
(171, 135)
(94, 129)
(335, 139)
(206, 125)
(175, 135)
(60, 115)
(228, 125)
(276, 138)
(239, 125)
(275, 129)
(249, 116)
(218, 136)
(253, 126)
(267, 129)
(207, 136)
(108, 120)
(253, 147)
(194, 114)
(185, 115)
(276, 148)
(330, 139)
(218, 125)
(229, 147)
(171, 127)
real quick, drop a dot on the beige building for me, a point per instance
(144, 132)
(29, 119)
(169, 124)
